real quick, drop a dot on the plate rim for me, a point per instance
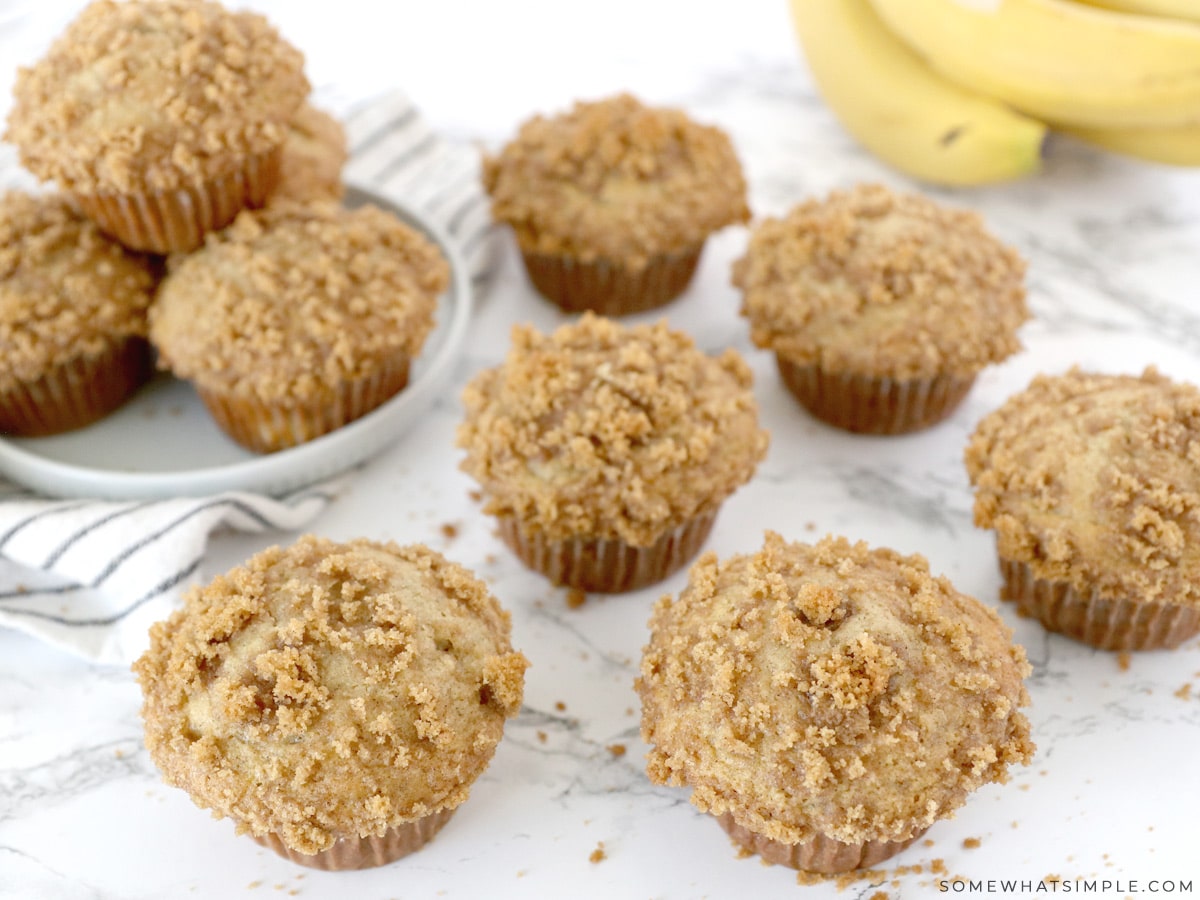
(285, 470)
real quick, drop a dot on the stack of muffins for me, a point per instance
(826, 702)
(180, 128)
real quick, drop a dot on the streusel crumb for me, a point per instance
(830, 690)
(875, 283)
(65, 288)
(328, 690)
(616, 180)
(293, 300)
(610, 431)
(1094, 480)
(150, 95)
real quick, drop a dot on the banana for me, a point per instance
(901, 110)
(1174, 146)
(1058, 60)
(1171, 9)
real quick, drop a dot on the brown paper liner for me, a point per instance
(1101, 622)
(365, 853)
(177, 220)
(265, 427)
(609, 288)
(77, 392)
(821, 854)
(869, 405)
(608, 566)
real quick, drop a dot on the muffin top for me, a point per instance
(608, 431)
(329, 690)
(1095, 480)
(878, 284)
(314, 152)
(616, 180)
(149, 95)
(291, 301)
(830, 690)
(65, 288)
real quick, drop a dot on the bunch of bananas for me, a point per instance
(963, 92)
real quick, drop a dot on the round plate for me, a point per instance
(163, 443)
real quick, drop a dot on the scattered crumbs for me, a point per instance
(1104, 856)
(521, 873)
(252, 885)
(810, 526)
(119, 753)
(560, 706)
(874, 875)
(1023, 787)
(902, 871)
(1151, 828)
(293, 892)
(576, 598)
(1044, 772)
(928, 842)
(475, 495)
(300, 877)
(449, 530)
(629, 710)
(938, 866)
(1015, 823)
(617, 750)
(279, 887)
(972, 843)
(1185, 691)
(541, 736)
(880, 895)
(22, 589)
(490, 559)
(598, 855)
(1054, 878)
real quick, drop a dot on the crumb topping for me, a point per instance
(881, 284)
(610, 431)
(314, 152)
(291, 301)
(1094, 480)
(616, 180)
(65, 288)
(830, 690)
(329, 690)
(153, 95)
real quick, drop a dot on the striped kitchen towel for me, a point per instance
(90, 576)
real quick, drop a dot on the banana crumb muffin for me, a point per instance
(162, 117)
(612, 201)
(881, 308)
(314, 153)
(829, 703)
(605, 451)
(335, 700)
(72, 317)
(298, 318)
(1092, 485)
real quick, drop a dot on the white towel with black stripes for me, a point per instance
(90, 576)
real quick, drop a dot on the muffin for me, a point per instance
(163, 118)
(829, 703)
(605, 451)
(612, 202)
(335, 700)
(298, 319)
(314, 153)
(881, 308)
(72, 318)
(1092, 485)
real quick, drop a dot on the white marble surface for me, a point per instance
(1114, 261)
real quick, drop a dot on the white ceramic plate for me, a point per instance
(163, 443)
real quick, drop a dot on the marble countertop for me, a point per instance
(1112, 247)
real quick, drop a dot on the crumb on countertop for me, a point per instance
(576, 598)
(598, 855)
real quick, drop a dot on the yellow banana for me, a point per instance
(1058, 60)
(1174, 146)
(1172, 9)
(901, 110)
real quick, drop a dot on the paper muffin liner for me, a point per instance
(609, 288)
(871, 405)
(821, 854)
(171, 221)
(77, 392)
(608, 566)
(266, 427)
(1101, 622)
(365, 853)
